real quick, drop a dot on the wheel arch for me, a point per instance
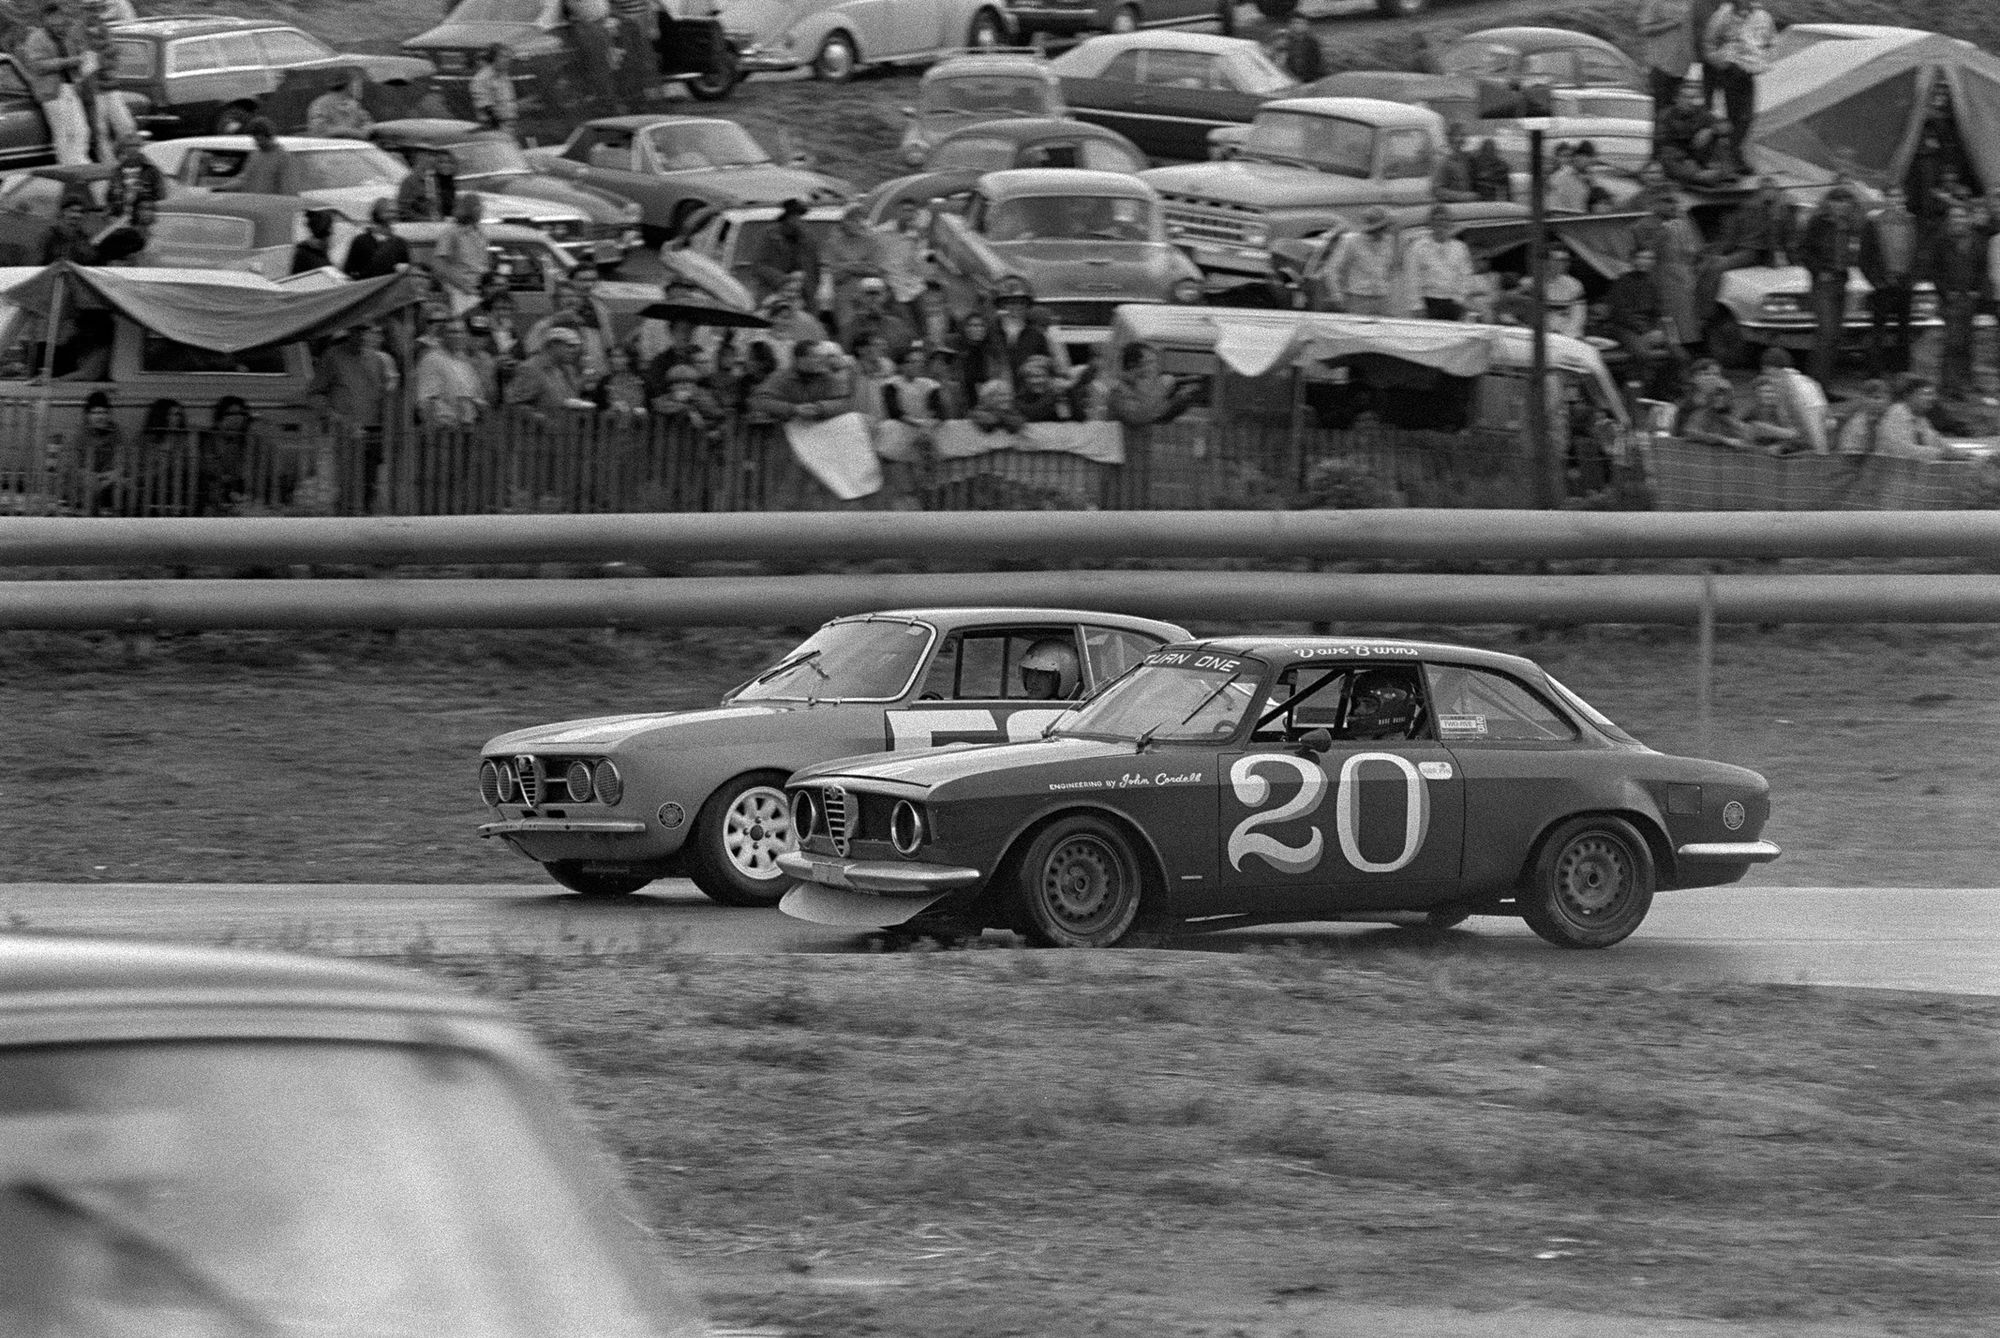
(1646, 824)
(1153, 870)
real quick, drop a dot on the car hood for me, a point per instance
(597, 205)
(761, 184)
(1269, 185)
(687, 728)
(524, 39)
(1007, 763)
(1098, 272)
(531, 210)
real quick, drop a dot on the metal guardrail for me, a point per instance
(1699, 601)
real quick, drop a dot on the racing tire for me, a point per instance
(837, 59)
(719, 80)
(987, 31)
(235, 119)
(1126, 20)
(1401, 9)
(732, 850)
(1078, 885)
(1591, 885)
(573, 877)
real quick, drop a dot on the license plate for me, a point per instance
(831, 874)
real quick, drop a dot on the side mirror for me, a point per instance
(1314, 742)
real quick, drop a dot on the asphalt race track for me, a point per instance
(1945, 940)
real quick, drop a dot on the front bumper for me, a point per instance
(880, 878)
(1249, 263)
(765, 59)
(1736, 852)
(562, 827)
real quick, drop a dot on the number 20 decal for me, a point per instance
(1252, 790)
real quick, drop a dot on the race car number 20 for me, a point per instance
(1253, 790)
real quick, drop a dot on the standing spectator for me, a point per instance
(1676, 248)
(684, 399)
(977, 357)
(585, 25)
(900, 245)
(1040, 398)
(1769, 425)
(935, 327)
(1440, 267)
(1699, 14)
(1904, 432)
(430, 189)
(1804, 399)
(547, 381)
(786, 250)
(1300, 53)
(51, 69)
(338, 113)
(1019, 338)
(69, 239)
(110, 119)
(790, 321)
(378, 251)
(1712, 420)
(872, 369)
(1888, 259)
(462, 258)
(1659, 370)
(912, 395)
(101, 448)
(1142, 397)
(449, 390)
(1492, 178)
(134, 179)
(1960, 272)
(875, 315)
(315, 252)
(1562, 296)
(1568, 187)
(621, 393)
(805, 392)
(351, 386)
(223, 457)
(1451, 180)
(850, 254)
(1758, 233)
(494, 104)
(1364, 270)
(1632, 306)
(1666, 39)
(1737, 45)
(1829, 248)
(638, 30)
(267, 168)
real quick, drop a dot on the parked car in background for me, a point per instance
(533, 265)
(1269, 779)
(1480, 102)
(975, 89)
(31, 199)
(1165, 91)
(608, 805)
(1078, 243)
(835, 38)
(1066, 18)
(207, 74)
(492, 163)
(673, 167)
(1303, 162)
(1564, 57)
(729, 236)
(693, 51)
(24, 131)
(189, 1116)
(1769, 306)
(962, 157)
(252, 233)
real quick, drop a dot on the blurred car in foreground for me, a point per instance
(199, 1141)
(608, 805)
(1165, 91)
(1275, 779)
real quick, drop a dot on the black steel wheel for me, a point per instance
(837, 60)
(1591, 885)
(719, 79)
(1078, 885)
(733, 848)
(572, 876)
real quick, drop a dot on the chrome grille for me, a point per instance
(1202, 221)
(839, 817)
(529, 772)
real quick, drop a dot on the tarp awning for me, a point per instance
(1254, 349)
(217, 313)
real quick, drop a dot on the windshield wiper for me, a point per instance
(132, 1243)
(1151, 730)
(807, 658)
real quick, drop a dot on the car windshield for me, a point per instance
(1254, 73)
(497, 11)
(488, 157)
(1071, 218)
(1591, 713)
(205, 1187)
(1329, 143)
(680, 148)
(868, 659)
(975, 153)
(1175, 696)
(337, 169)
(987, 95)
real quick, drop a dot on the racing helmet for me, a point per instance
(1380, 705)
(1049, 671)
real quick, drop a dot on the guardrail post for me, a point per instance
(1704, 683)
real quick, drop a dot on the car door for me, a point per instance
(973, 691)
(1375, 821)
(1188, 94)
(24, 134)
(1114, 98)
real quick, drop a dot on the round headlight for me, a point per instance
(906, 827)
(610, 785)
(1187, 290)
(577, 778)
(805, 814)
(490, 790)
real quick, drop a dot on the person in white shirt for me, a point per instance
(494, 103)
(1562, 296)
(1737, 46)
(1364, 270)
(1568, 189)
(450, 392)
(462, 256)
(1440, 267)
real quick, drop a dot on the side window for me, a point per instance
(239, 51)
(207, 167)
(613, 153)
(1124, 68)
(1482, 706)
(1178, 69)
(986, 666)
(12, 86)
(1406, 153)
(286, 46)
(159, 354)
(1110, 651)
(193, 56)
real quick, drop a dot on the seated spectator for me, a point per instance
(1904, 432)
(1769, 424)
(315, 252)
(1633, 308)
(1041, 398)
(1802, 398)
(70, 239)
(1692, 144)
(1712, 419)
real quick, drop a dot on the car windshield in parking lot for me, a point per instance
(1200, 698)
(1071, 218)
(680, 148)
(335, 169)
(1329, 143)
(488, 157)
(988, 95)
(869, 659)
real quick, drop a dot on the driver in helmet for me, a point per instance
(1380, 705)
(1049, 671)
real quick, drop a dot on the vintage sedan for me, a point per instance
(1064, 18)
(837, 38)
(975, 89)
(1079, 243)
(1562, 56)
(1165, 91)
(673, 167)
(254, 233)
(1276, 779)
(955, 164)
(492, 163)
(608, 805)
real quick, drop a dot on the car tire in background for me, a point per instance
(837, 59)
(732, 852)
(1591, 885)
(1078, 885)
(722, 76)
(572, 876)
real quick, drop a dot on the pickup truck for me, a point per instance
(1304, 163)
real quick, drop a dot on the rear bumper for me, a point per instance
(1734, 852)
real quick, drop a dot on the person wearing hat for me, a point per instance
(1440, 268)
(808, 391)
(1830, 248)
(547, 382)
(1364, 271)
(787, 250)
(851, 253)
(875, 314)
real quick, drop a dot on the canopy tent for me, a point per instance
(1858, 106)
(1252, 349)
(215, 309)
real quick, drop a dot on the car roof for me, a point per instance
(290, 143)
(1373, 111)
(1162, 39)
(1288, 649)
(236, 204)
(991, 62)
(1026, 129)
(948, 618)
(189, 25)
(1530, 40)
(432, 130)
(1018, 181)
(644, 120)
